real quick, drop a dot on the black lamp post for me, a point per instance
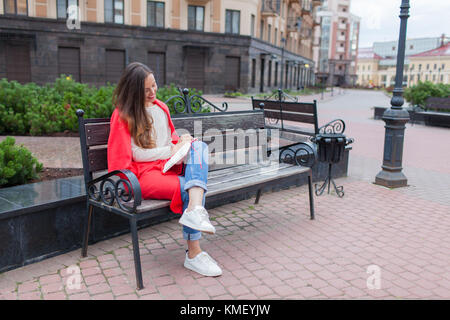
(395, 118)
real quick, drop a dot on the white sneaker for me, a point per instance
(197, 219)
(203, 264)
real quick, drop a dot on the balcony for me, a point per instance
(341, 37)
(342, 26)
(270, 8)
(294, 24)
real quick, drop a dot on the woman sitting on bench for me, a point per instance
(142, 139)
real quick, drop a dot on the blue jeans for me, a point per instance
(195, 175)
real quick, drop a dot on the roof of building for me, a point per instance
(367, 53)
(443, 50)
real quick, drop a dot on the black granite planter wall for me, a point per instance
(428, 118)
(45, 219)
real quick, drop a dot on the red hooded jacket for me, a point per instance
(120, 157)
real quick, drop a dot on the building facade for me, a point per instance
(335, 55)
(427, 59)
(211, 45)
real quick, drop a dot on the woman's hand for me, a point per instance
(177, 146)
(186, 137)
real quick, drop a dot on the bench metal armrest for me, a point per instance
(111, 191)
(335, 126)
(301, 154)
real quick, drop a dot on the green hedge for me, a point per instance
(39, 110)
(17, 164)
(418, 94)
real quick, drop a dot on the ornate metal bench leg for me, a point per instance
(87, 227)
(258, 195)
(137, 256)
(311, 195)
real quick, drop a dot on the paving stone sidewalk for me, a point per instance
(273, 251)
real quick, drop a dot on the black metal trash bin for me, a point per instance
(330, 149)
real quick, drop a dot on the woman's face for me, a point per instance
(150, 89)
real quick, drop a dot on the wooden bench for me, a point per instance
(302, 117)
(242, 133)
(277, 112)
(437, 104)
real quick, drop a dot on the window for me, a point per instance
(157, 62)
(420, 67)
(393, 48)
(114, 64)
(269, 31)
(435, 66)
(443, 66)
(253, 73)
(252, 25)
(155, 14)
(412, 67)
(411, 47)
(275, 39)
(69, 62)
(261, 31)
(428, 66)
(196, 17)
(114, 11)
(18, 63)
(232, 21)
(270, 74)
(19, 7)
(62, 7)
(276, 74)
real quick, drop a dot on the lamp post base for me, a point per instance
(391, 179)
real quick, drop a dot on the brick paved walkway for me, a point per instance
(273, 251)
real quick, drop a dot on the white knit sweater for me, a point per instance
(163, 138)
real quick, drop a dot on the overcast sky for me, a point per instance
(380, 19)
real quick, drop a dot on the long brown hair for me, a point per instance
(129, 98)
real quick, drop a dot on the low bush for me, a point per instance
(418, 94)
(38, 110)
(17, 164)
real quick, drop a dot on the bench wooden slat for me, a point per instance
(299, 117)
(302, 107)
(218, 121)
(232, 140)
(236, 168)
(97, 159)
(261, 177)
(238, 174)
(97, 133)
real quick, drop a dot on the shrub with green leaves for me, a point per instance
(38, 110)
(17, 164)
(418, 94)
